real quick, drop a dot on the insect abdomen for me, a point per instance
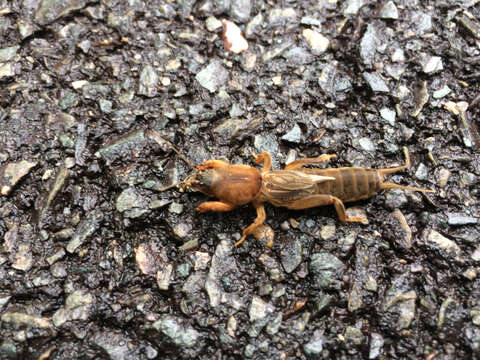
(350, 184)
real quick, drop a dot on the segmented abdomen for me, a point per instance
(350, 184)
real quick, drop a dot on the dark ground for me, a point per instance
(92, 258)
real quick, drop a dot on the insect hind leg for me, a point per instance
(322, 200)
(309, 161)
(390, 185)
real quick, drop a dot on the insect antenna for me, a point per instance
(172, 186)
(154, 135)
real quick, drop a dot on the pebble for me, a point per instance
(50, 10)
(395, 199)
(273, 267)
(406, 240)
(398, 55)
(115, 345)
(212, 76)
(376, 345)
(131, 203)
(13, 173)
(180, 336)
(181, 231)
(327, 271)
(85, 229)
(402, 303)
(476, 254)
(442, 178)
(213, 24)
(105, 106)
(240, 10)
(327, 77)
(8, 53)
(352, 6)
(436, 240)
(148, 82)
(354, 335)
(221, 263)
(254, 25)
(23, 257)
(231, 326)
(475, 314)
(294, 135)
(470, 273)
(327, 232)
(59, 254)
(317, 42)
(422, 172)
(368, 44)
(306, 20)
(284, 16)
(258, 308)
(201, 260)
(21, 319)
(274, 326)
(276, 51)
(347, 242)
(444, 91)
(233, 38)
(78, 306)
(388, 115)
(420, 97)
(25, 28)
(456, 108)
(175, 208)
(150, 258)
(291, 255)
(432, 64)
(423, 23)
(164, 277)
(457, 219)
(376, 83)
(367, 144)
(313, 348)
(389, 11)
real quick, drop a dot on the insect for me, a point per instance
(294, 187)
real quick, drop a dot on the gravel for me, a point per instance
(97, 262)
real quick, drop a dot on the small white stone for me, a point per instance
(432, 64)
(163, 277)
(165, 81)
(213, 24)
(6, 70)
(277, 80)
(389, 115)
(317, 42)
(456, 108)
(442, 242)
(79, 84)
(233, 37)
(398, 55)
(258, 309)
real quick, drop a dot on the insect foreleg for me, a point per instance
(265, 158)
(258, 221)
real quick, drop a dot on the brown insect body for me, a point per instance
(294, 187)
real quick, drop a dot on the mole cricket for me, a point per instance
(294, 187)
